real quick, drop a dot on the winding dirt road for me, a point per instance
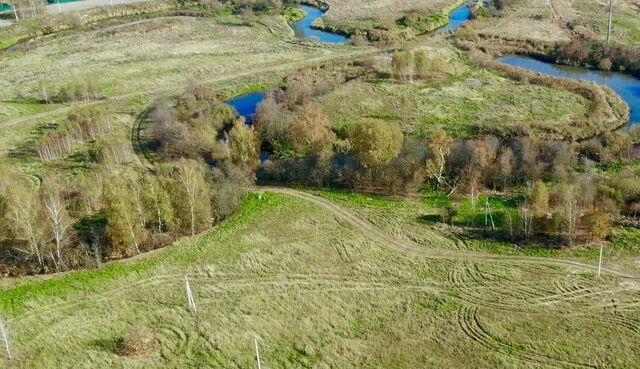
(411, 247)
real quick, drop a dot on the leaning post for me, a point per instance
(5, 338)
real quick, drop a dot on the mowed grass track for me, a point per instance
(322, 290)
(139, 60)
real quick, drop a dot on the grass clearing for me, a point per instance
(465, 100)
(145, 55)
(353, 16)
(546, 21)
(421, 221)
(320, 293)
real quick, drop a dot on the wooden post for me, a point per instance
(5, 338)
(190, 300)
(258, 353)
(610, 21)
(600, 260)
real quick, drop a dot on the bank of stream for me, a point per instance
(625, 85)
(246, 104)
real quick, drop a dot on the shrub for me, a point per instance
(137, 341)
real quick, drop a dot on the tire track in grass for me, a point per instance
(410, 247)
(470, 324)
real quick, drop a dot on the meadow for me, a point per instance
(325, 290)
(464, 99)
(322, 278)
(548, 21)
(135, 61)
(357, 16)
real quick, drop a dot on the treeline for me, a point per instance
(410, 65)
(597, 54)
(373, 156)
(81, 126)
(239, 7)
(564, 193)
(206, 162)
(82, 90)
(111, 214)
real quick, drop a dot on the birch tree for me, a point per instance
(436, 166)
(25, 214)
(58, 220)
(192, 195)
(123, 224)
(158, 201)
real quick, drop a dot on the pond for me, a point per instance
(247, 104)
(627, 86)
(303, 28)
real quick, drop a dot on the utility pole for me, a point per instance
(600, 261)
(610, 20)
(59, 8)
(5, 338)
(15, 12)
(258, 353)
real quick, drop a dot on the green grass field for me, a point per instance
(464, 98)
(355, 16)
(320, 291)
(547, 21)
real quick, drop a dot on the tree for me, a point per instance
(570, 210)
(597, 223)
(43, 88)
(272, 120)
(311, 133)
(244, 146)
(26, 215)
(54, 204)
(480, 155)
(506, 164)
(402, 65)
(123, 223)
(192, 195)
(158, 202)
(539, 199)
(375, 142)
(438, 144)
(421, 64)
(136, 195)
(232, 184)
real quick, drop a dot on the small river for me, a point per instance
(246, 104)
(303, 28)
(457, 18)
(626, 86)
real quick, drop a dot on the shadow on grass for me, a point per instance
(110, 345)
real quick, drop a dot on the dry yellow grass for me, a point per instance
(323, 288)
(557, 20)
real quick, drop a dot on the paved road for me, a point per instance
(78, 5)
(87, 4)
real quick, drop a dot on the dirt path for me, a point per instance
(411, 247)
(329, 55)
